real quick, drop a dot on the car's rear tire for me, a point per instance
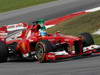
(42, 48)
(87, 39)
(3, 52)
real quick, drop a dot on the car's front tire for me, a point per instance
(87, 39)
(42, 47)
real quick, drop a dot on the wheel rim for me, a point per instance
(40, 52)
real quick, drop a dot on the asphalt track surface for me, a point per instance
(47, 11)
(75, 66)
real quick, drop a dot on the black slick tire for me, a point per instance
(42, 47)
(3, 52)
(87, 39)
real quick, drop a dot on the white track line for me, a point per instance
(93, 10)
(97, 32)
(49, 26)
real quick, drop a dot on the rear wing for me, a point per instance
(14, 27)
(9, 30)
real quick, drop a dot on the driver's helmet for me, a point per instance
(41, 22)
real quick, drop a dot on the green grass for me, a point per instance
(7, 5)
(84, 23)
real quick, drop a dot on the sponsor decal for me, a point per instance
(3, 35)
(14, 36)
(15, 27)
(52, 56)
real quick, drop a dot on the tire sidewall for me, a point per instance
(42, 58)
(87, 39)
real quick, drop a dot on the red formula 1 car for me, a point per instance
(32, 41)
